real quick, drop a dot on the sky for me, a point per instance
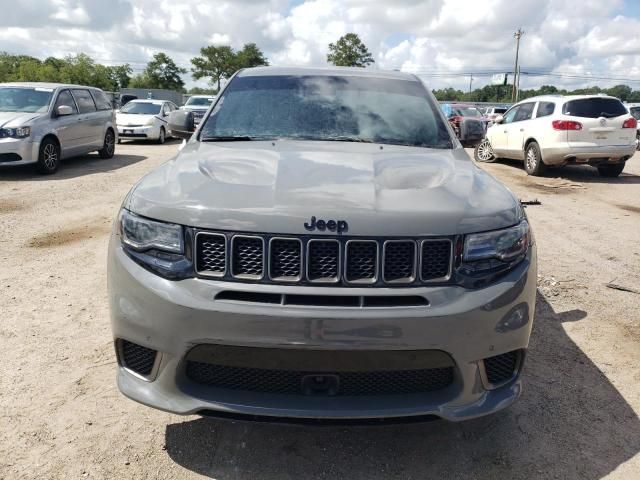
(444, 41)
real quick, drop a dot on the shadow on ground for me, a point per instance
(571, 422)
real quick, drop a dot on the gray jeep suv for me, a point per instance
(322, 248)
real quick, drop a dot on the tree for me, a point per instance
(349, 51)
(623, 92)
(160, 72)
(120, 76)
(218, 62)
(202, 91)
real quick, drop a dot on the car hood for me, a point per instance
(132, 119)
(17, 119)
(275, 187)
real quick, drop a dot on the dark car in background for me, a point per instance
(467, 122)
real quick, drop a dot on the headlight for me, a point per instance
(505, 245)
(144, 234)
(18, 132)
(151, 121)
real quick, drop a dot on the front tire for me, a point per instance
(109, 145)
(49, 157)
(484, 153)
(162, 137)
(533, 163)
(611, 171)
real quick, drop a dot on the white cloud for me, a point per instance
(432, 37)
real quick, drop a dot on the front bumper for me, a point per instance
(151, 132)
(174, 316)
(593, 155)
(14, 151)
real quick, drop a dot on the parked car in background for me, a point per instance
(198, 104)
(552, 130)
(491, 113)
(145, 119)
(43, 123)
(467, 122)
(634, 110)
(322, 248)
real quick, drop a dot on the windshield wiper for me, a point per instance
(228, 138)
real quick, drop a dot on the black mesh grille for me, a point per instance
(211, 257)
(248, 253)
(362, 261)
(436, 259)
(286, 261)
(138, 358)
(501, 368)
(399, 261)
(291, 382)
(323, 259)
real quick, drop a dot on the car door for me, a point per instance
(67, 128)
(498, 133)
(90, 124)
(518, 130)
(104, 114)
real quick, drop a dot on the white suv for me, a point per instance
(558, 130)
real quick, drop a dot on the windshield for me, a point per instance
(21, 99)
(331, 108)
(141, 108)
(199, 102)
(467, 112)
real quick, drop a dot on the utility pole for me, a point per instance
(517, 36)
(470, 82)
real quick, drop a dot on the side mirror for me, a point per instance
(181, 124)
(64, 110)
(498, 119)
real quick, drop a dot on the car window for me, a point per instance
(525, 112)
(141, 108)
(166, 109)
(545, 109)
(101, 99)
(326, 108)
(635, 111)
(84, 100)
(594, 108)
(65, 98)
(510, 115)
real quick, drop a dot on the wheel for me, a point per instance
(484, 153)
(610, 171)
(533, 163)
(163, 136)
(109, 146)
(638, 141)
(49, 157)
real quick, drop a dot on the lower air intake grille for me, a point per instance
(347, 383)
(137, 358)
(502, 368)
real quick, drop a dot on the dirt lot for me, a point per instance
(61, 415)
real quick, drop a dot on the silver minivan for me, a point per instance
(42, 123)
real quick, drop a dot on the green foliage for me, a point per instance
(349, 51)
(161, 72)
(218, 62)
(80, 69)
(202, 91)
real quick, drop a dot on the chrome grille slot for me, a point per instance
(361, 261)
(285, 259)
(247, 259)
(435, 263)
(399, 265)
(211, 255)
(323, 261)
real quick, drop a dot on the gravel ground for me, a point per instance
(61, 415)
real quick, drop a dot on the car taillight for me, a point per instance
(630, 123)
(566, 125)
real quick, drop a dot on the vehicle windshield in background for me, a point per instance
(199, 102)
(467, 112)
(594, 108)
(141, 108)
(328, 108)
(29, 100)
(635, 111)
(499, 111)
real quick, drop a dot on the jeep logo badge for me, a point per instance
(339, 226)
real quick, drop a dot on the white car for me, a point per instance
(555, 130)
(144, 119)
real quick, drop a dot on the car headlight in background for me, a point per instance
(18, 132)
(157, 246)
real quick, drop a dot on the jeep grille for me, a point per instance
(308, 260)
